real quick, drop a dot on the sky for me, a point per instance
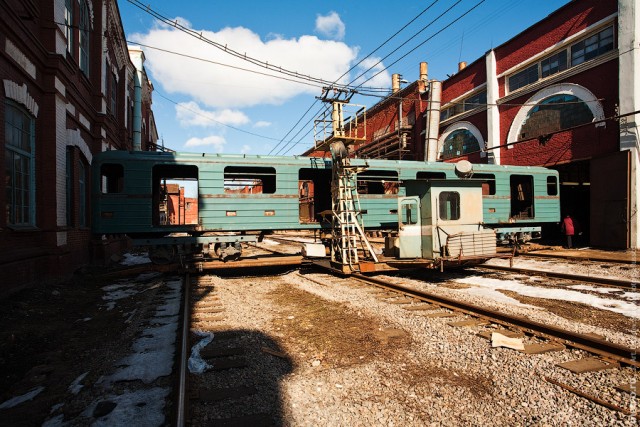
(216, 73)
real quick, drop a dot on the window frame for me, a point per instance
(68, 22)
(235, 176)
(84, 40)
(24, 153)
(444, 213)
(568, 52)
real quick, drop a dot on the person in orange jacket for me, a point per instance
(568, 229)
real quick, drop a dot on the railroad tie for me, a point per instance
(545, 347)
(469, 323)
(421, 307)
(588, 364)
(218, 394)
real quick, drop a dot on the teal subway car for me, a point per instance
(154, 194)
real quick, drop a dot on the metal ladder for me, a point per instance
(347, 225)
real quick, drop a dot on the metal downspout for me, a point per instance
(433, 121)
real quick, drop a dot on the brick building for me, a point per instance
(563, 94)
(70, 89)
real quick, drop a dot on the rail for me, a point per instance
(605, 349)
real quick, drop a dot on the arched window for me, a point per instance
(553, 108)
(557, 112)
(459, 139)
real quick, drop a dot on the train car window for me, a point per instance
(488, 184)
(378, 182)
(409, 214)
(175, 195)
(449, 205)
(552, 186)
(249, 180)
(521, 196)
(431, 175)
(111, 178)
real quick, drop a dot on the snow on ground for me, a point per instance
(153, 352)
(135, 259)
(140, 408)
(590, 269)
(125, 289)
(14, 401)
(490, 288)
(151, 358)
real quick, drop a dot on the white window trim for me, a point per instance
(464, 125)
(559, 89)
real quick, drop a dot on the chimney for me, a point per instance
(395, 83)
(424, 76)
(462, 65)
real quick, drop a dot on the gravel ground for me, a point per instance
(342, 369)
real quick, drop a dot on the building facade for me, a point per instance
(564, 94)
(68, 92)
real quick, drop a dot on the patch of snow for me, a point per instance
(632, 296)
(140, 408)
(153, 352)
(270, 242)
(135, 259)
(57, 421)
(15, 401)
(622, 307)
(75, 386)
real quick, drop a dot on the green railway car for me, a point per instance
(156, 194)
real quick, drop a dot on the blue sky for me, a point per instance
(202, 104)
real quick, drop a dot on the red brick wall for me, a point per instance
(582, 143)
(566, 21)
(462, 82)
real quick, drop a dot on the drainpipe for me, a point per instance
(433, 121)
(137, 57)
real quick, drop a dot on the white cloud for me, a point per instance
(215, 141)
(381, 80)
(330, 26)
(213, 85)
(245, 149)
(262, 124)
(190, 114)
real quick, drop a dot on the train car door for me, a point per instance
(306, 200)
(409, 228)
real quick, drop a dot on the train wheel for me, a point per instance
(163, 254)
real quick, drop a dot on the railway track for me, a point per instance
(589, 343)
(608, 355)
(628, 285)
(199, 398)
